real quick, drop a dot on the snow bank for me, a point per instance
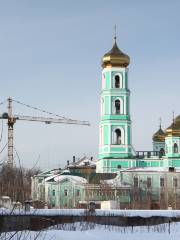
(79, 212)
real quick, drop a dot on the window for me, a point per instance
(53, 192)
(175, 182)
(161, 152)
(117, 81)
(65, 192)
(161, 182)
(175, 148)
(135, 181)
(78, 193)
(117, 106)
(148, 182)
(118, 136)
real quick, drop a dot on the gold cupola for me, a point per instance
(174, 128)
(115, 57)
(159, 136)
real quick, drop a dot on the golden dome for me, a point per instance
(174, 128)
(115, 58)
(177, 119)
(159, 136)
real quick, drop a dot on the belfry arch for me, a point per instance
(175, 148)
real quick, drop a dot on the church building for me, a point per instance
(115, 145)
(133, 179)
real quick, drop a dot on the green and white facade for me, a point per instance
(115, 146)
(142, 179)
(115, 140)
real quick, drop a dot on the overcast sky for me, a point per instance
(50, 55)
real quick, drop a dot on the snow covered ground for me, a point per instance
(100, 232)
(77, 212)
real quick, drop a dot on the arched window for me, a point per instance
(118, 136)
(161, 152)
(175, 148)
(117, 81)
(117, 106)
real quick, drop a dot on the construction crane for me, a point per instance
(11, 120)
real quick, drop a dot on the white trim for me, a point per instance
(110, 105)
(126, 131)
(102, 106)
(125, 107)
(103, 80)
(110, 122)
(111, 69)
(115, 92)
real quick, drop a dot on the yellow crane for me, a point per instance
(11, 120)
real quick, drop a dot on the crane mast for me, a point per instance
(11, 122)
(11, 119)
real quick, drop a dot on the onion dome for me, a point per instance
(159, 136)
(115, 58)
(174, 128)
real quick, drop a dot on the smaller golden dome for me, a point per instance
(159, 136)
(174, 128)
(115, 58)
(177, 119)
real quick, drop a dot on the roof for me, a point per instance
(91, 178)
(51, 177)
(75, 179)
(49, 172)
(83, 162)
(115, 58)
(115, 182)
(174, 128)
(150, 169)
(159, 136)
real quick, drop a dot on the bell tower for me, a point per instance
(159, 141)
(115, 147)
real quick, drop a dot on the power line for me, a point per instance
(3, 148)
(39, 109)
(19, 160)
(1, 103)
(2, 128)
(12, 119)
(5, 158)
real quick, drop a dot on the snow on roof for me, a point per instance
(48, 172)
(65, 171)
(116, 183)
(5, 197)
(50, 177)
(84, 161)
(71, 178)
(150, 169)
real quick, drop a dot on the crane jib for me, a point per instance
(11, 119)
